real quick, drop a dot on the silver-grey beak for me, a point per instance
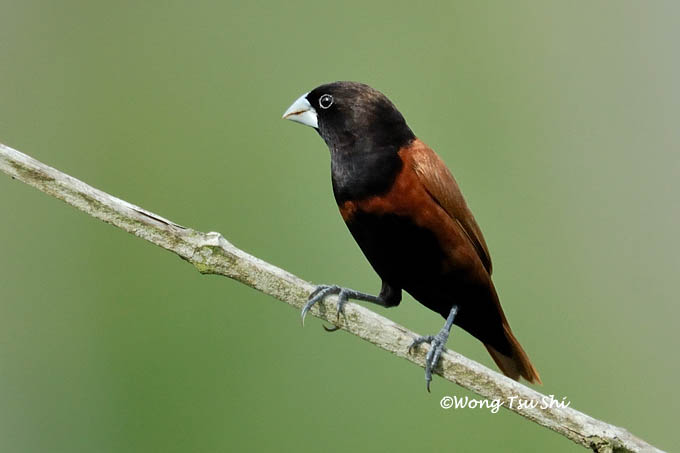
(301, 111)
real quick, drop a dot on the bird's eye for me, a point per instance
(325, 101)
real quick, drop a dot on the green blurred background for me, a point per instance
(559, 119)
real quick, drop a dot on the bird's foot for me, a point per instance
(437, 346)
(344, 294)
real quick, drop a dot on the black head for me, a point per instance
(351, 116)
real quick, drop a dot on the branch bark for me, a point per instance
(211, 253)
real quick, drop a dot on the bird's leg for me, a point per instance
(344, 294)
(437, 344)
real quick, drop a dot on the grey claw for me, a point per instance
(319, 293)
(432, 357)
(314, 297)
(437, 354)
(437, 343)
(429, 365)
(344, 294)
(420, 340)
(343, 297)
(319, 289)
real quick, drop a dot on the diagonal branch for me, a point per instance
(211, 253)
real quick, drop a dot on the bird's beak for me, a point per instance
(302, 112)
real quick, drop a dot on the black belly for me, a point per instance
(399, 251)
(410, 257)
(405, 256)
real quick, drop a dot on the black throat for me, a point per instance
(358, 174)
(366, 165)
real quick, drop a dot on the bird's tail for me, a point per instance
(516, 365)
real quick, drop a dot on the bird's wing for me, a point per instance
(442, 187)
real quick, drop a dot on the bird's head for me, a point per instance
(347, 114)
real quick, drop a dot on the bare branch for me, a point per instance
(211, 253)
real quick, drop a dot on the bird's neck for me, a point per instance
(361, 170)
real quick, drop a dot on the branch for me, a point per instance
(211, 253)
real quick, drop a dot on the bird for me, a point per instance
(406, 212)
